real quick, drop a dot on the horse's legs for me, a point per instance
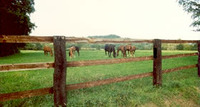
(78, 52)
(51, 53)
(124, 53)
(46, 53)
(109, 53)
(128, 53)
(131, 53)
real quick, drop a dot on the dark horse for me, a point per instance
(110, 48)
(77, 49)
(122, 49)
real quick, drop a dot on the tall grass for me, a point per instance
(181, 88)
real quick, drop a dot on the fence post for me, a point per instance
(198, 58)
(59, 76)
(157, 63)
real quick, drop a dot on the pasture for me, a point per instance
(181, 88)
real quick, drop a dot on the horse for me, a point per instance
(72, 51)
(122, 49)
(77, 49)
(47, 50)
(110, 48)
(130, 49)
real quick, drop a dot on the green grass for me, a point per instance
(181, 88)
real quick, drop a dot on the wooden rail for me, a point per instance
(107, 61)
(25, 66)
(179, 41)
(25, 39)
(49, 39)
(46, 65)
(49, 90)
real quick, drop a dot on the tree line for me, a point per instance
(139, 46)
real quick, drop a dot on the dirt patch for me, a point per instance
(177, 101)
(198, 89)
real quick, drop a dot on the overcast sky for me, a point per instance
(139, 19)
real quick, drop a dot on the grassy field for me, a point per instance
(181, 88)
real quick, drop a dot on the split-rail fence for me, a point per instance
(61, 64)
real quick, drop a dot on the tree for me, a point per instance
(111, 36)
(14, 20)
(193, 7)
(180, 47)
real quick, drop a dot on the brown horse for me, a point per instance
(47, 50)
(130, 49)
(122, 49)
(71, 51)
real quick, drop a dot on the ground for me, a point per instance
(181, 88)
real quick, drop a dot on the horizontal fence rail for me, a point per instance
(46, 65)
(107, 61)
(49, 39)
(25, 66)
(25, 39)
(49, 90)
(179, 41)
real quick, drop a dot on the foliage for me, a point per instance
(179, 47)
(14, 20)
(179, 88)
(193, 7)
(33, 46)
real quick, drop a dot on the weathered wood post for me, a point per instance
(198, 58)
(157, 63)
(59, 77)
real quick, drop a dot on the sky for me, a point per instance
(137, 19)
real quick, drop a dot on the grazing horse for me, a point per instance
(110, 48)
(77, 49)
(47, 49)
(72, 51)
(122, 49)
(132, 51)
(128, 48)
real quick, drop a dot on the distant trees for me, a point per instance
(14, 20)
(111, 36)
(33, 46)
(193, 7)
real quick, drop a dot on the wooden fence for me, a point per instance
(61, 64)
